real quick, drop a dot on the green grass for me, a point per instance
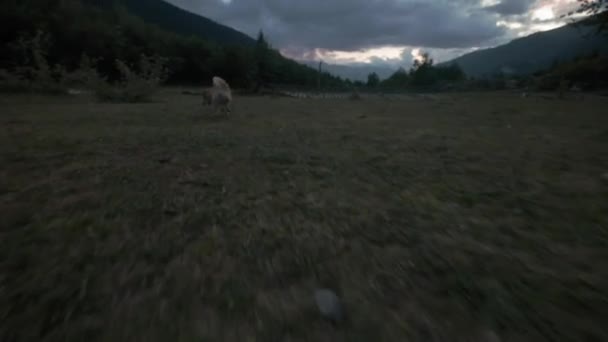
(434, 220)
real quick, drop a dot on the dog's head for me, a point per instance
(219, 83)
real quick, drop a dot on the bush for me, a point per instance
(548, 83)
(355, 96)
(134, 86)
(15, 82)
(35, 75)
(12, 82)
(86, 75)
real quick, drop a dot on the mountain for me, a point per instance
(174, 19)
(68, 34)
(354, 72)
(533, 53)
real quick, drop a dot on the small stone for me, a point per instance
(329, 304)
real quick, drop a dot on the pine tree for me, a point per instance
(262, 61)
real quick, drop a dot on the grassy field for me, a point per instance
(454, 218)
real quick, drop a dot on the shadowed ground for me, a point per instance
(435, 219)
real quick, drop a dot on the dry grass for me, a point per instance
(434, 220)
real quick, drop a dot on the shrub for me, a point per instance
(35, 75)
(85, 75)
(134, 85)
(355, 96)
(11, 82)
(548, 83)
(16, 82)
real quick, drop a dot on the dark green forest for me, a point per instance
(423, 75)
(74, 28)
(194, 48)
(177, 20)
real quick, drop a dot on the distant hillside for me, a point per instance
(589, 73)
(196, 49)
(177, 20)
(354, 72)
(533, 53)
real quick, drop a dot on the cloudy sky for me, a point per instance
(383, 32)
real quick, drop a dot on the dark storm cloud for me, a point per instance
(352, 25)
(511, 7)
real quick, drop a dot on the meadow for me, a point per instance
(452, 217)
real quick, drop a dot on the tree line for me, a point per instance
(54, 36)
(69, 32)
(73, 30)
(422, 75)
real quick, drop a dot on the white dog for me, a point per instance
(207, 96)
(221, 95)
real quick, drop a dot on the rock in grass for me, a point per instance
(329, 305)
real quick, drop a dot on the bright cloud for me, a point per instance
(544, 13)
(364, 56)
(384, 32)
(417, 55)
